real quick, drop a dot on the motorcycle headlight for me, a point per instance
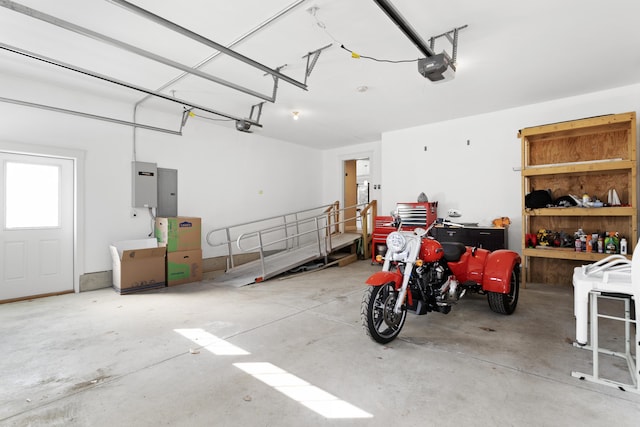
(396, 242)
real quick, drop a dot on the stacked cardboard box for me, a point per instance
(182, 238)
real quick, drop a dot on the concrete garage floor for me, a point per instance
(101, 359)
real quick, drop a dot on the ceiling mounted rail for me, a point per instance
(312, 58)
(91, 116)
(121, 83)
(125, 46)
(197, 37)
(452, 36)
(237, 41)
(404, 26)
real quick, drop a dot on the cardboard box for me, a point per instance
(137, 265)
(180, 233)
(184, 267)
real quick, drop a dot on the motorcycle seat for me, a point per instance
(453, 251)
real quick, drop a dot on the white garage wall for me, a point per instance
(478, 178)
(224, 176)
(227, 177)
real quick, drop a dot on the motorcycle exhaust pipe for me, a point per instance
(450, 289)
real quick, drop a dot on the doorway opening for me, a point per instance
(356, 191)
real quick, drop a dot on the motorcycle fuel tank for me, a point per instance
(431, 250)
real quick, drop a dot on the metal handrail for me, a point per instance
(229, 242)
(261, 246)
(326, 223)
(273, 229)
(265, 219)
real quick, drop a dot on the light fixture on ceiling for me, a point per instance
(362, 89)
(296, 115)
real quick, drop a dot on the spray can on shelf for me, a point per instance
(609, 247)
(600, 245)
(623, 246)
(578, 242)
(611, 243)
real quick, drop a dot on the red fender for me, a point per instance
(497, 271)
(470, 266)
(383, 277)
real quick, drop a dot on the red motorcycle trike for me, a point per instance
(420, 275)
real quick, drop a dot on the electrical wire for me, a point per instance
(354, 55)
(192, 114)
(391, 61)
(211, 118)
(321, 24)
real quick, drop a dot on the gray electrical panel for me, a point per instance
(167, 192)
(145, 185)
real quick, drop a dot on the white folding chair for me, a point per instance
(614, 277)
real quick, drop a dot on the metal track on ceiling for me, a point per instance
(122, 83)
(8, 4)
(235, 42)
(207, 42)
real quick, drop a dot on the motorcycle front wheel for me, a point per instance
(379, 321)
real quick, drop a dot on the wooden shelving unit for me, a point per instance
(590, 156)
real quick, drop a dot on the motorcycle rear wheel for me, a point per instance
(506, 303)
(379, 321)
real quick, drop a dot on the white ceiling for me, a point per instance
(511, 54)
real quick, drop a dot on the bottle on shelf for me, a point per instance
(611, 243)
(581, 240)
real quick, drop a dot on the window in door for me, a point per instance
(32, 195)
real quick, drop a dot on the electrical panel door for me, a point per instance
(145, 185)
(167, 192)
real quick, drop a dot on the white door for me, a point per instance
(36, 221)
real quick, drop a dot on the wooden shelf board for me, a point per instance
(577, 124)
(608, 211)
(579, 167)
(564, 253)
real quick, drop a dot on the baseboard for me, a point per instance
(97, 280)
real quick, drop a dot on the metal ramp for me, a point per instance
(281, 262)
(286, 242)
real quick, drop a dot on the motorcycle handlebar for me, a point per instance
(440, 221)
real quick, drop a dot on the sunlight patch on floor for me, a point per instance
(312, 397)
(211, 343)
